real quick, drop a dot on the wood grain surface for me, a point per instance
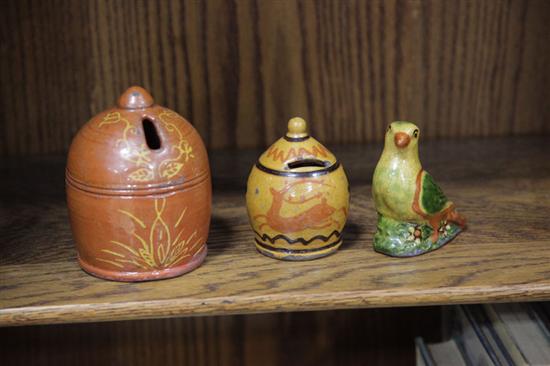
(355, 337)
(502, 186)
(239, 69)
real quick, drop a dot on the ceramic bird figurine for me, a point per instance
(414, 216)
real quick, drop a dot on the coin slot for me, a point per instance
(151, 135)
(307, 163)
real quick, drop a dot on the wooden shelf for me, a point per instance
(501, 185)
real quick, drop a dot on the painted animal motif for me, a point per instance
(318, 216)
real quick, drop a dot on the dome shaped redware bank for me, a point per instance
(138, 192)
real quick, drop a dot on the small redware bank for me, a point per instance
(138, 192)
(297, 198)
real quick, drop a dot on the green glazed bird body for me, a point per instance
(414, 216)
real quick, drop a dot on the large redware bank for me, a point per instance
(138, 192)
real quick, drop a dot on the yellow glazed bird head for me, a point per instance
(402, 138)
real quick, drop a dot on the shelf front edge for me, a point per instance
(267, 304)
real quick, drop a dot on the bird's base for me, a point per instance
(406, 239)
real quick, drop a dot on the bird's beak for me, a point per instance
(401, 139)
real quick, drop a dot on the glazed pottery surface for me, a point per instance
(138, 192)
(297, 198)
(414, 216)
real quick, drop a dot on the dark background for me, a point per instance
(239, 69)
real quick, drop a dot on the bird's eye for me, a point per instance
(389, 128)
(415, 133)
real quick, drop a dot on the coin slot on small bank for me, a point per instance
(307, 163)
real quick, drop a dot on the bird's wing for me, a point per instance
(432, 199)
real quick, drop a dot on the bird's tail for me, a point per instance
(454, 216)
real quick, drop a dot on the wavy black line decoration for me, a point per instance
(302, 241)
(297, 251)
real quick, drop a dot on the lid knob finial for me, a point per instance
(135, 97)
(297, 127)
